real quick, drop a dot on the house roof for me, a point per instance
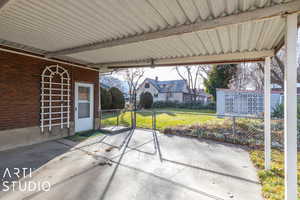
(103, 85)
(113, 34)
(168, 86)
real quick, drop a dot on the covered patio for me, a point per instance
(104, 36)
(142, 165)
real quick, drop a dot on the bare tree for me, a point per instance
(252, 74)
(114, 82)
(248, 75)
(193, 75)
(242, 76)
(133, 77)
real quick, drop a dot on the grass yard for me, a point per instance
(184, 110)
(166, 117)
(272, 181)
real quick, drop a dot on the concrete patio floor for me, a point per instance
(136, 164)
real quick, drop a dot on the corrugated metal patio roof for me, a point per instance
(120, 33)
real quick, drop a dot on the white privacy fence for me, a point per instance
(244, 102)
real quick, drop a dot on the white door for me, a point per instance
(84, 106)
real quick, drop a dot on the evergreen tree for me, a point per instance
(118, 100)
(219, 77)
(105, 99)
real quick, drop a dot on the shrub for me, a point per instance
(278, 111)
(223, 131)
(106, 99)
(118, 100)
(146, 100)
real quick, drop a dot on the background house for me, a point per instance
(173, 90)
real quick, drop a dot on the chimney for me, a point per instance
(156, 78)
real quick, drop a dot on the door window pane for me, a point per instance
(83, 110)
(84, 94)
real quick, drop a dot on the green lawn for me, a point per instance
(166, 117)
(272, 181)
(184, 110)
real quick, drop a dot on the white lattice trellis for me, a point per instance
(55, 97)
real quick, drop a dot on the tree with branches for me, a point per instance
(219, 77)
(252, 74)
(193, 75)
(133, 76)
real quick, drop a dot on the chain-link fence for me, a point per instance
(246, 130)
(116, 117)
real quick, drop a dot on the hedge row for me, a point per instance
(112, 99)
(191, 105)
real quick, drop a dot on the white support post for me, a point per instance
(99, 107)
(267, 112)
(290, 109)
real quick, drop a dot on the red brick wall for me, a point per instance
(20, 89)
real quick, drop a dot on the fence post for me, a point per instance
(117, 118)
(134, 117)
(100, 118)
(154, 120)
(131, 117)
(233, 125)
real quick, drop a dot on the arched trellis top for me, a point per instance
(55, 97)
(55, 69)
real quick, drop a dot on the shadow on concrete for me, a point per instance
(118, 164)
(211, 171)
(172, 182)
(32, 157)
(63, 181)
(208, 141)
(81, 146)
(60, 149)
(116, 167)
(123, 142)
(203, 169)
(103, 161)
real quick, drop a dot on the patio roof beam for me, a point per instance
(213, 59)
(23, 53)
(258, 14)
(3, 3)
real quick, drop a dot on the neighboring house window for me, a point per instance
(147, 85)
